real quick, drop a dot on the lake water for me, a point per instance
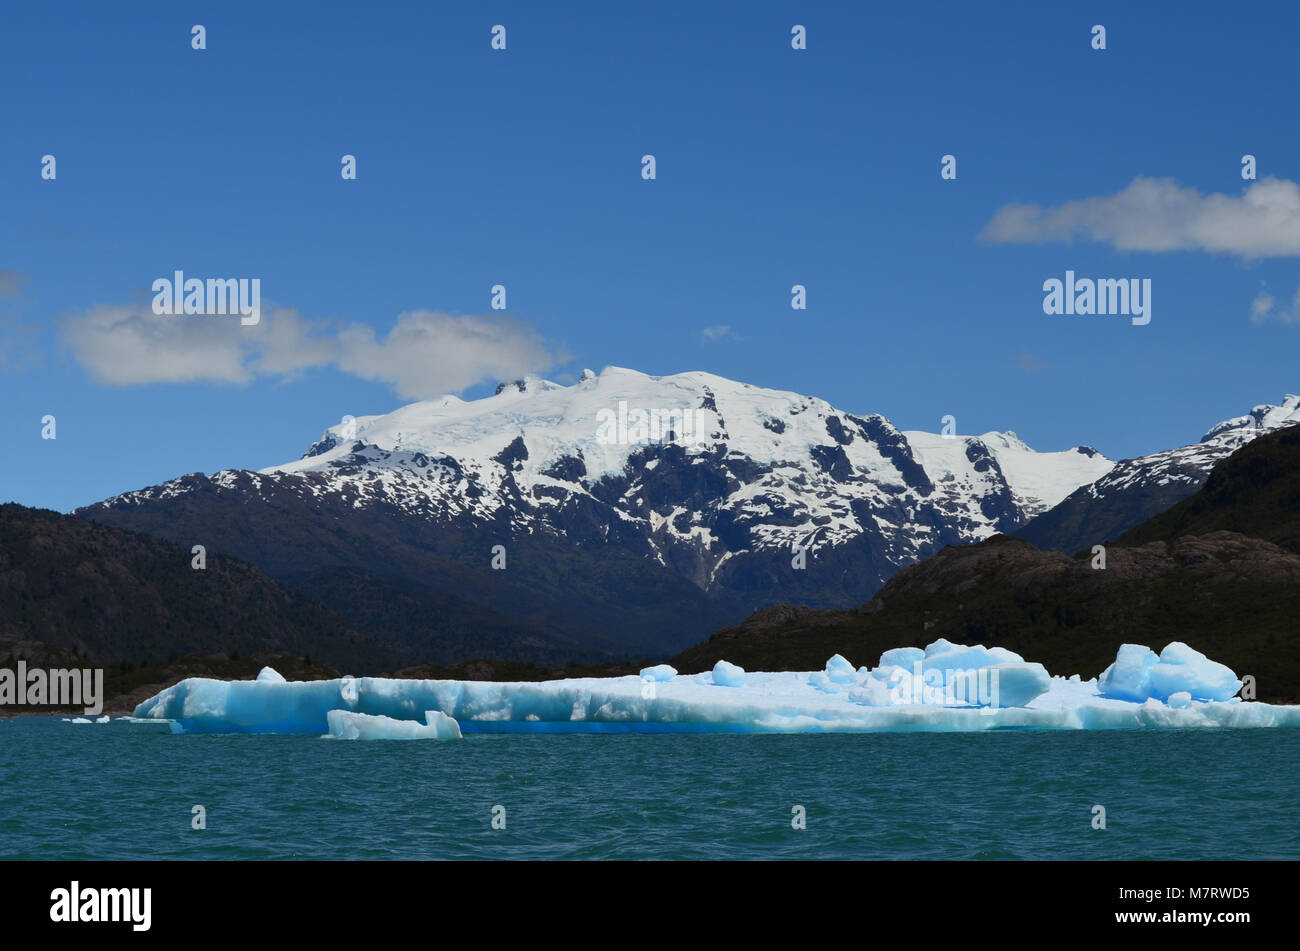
(121, 791)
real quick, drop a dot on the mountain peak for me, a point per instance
(529, 383)
(694, 471)
(1263, 418)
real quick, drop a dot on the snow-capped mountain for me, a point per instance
(1138, 489)
(697, 467)
(689, 482)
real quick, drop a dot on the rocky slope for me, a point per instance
(1220, 571)
(71, 587)
(634, 514)
(1137, 489)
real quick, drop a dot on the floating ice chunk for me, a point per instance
(903, 657)
(79, 720)
(948, 674)
(346, 725)
(1129, 677)
(962, 657)
(1182, 669)
(201, 705)
(103, 719)
(840, 670)
(1180, 700)
(728, 675)
(660, 673)
(1138, 675)
(941, 646)
(992, 686)
(1074, 678)
(1018, 684)
(1027, 698)
(269, 675)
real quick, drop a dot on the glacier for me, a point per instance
(945, 687)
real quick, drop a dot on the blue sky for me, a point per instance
(522, 167)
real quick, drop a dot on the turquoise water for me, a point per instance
(118, 791)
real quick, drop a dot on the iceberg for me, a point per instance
(946, 687)
(942, 655)
(346, 725)
(729, 675)
(660, 673)
(904, 657)
(1139, 674)
(1181, 669)
(840, 671)
(1129, 677)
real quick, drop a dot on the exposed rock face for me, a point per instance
(1138, 489)
(1219, 571)
(637, 514)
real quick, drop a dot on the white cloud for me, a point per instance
(1260, 306)
(425, 354)
(1264, 309)
(123, 345)
(457, 352)
(709, 334)
(1158, 214)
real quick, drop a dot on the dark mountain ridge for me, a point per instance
(1219, 571)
